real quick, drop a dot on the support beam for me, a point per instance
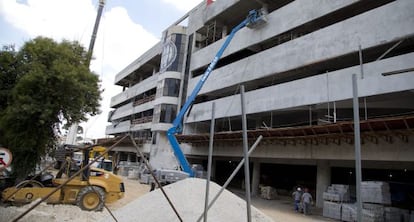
(256, 178)
(323, 180)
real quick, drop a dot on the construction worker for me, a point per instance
(306, 201)
(297, 196)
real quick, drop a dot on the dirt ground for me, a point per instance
(133, 190)
(280, 210)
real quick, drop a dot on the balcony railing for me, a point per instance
(144, 100)
(145, 119)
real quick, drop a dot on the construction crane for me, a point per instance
(73, 130)
(255, 19)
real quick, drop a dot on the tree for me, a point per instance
(49, 83)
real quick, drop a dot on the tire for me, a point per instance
(91, 198)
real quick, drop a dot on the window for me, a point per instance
(171, 87)
(168, 113)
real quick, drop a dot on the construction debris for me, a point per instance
(188, 198)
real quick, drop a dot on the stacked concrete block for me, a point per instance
(332, 210)
(133, 173)
(375, 208)
(145, 178)
(376, 198)
(405, 215)
(268, 193)
(348, 212)
(375, 192)
(393, 214)
(372, 215)
(337, 193)
(333, 197)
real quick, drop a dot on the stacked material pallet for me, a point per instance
(393, 214)
(337, 193)
(370, 216)
(375, 192)
(334, 196)
(133, 174)
(332, 210)
(348, 212)
(376, 198)
(372, 212)
(268, 193)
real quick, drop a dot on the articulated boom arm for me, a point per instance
(254, 18)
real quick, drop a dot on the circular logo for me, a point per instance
(169, 53)
(5, 158)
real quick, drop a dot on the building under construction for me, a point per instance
(297, 72)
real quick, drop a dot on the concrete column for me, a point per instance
(323, 180)
(213, 169)
(255, 178)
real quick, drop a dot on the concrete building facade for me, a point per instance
(297, 71)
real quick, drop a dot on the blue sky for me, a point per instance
(128, 28)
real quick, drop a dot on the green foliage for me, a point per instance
(47, 83)
(8, 65)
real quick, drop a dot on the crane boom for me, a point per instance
(254, 19)
(73, 130)
(95, 29)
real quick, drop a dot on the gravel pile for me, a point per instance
(188, 198)
(50, 213)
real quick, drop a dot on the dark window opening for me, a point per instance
(171, 87)
(168, 113)
(286, 177)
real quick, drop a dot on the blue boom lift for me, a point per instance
(255, 19)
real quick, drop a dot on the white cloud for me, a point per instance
(119, 40)
(183, 5)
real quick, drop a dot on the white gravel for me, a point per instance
(188, 198)
(50, 213)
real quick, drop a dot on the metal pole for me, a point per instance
(389, 50)
(246, 157)
(310, 115)
(210, 158)
(232, 175)
(361, 64)
(357, 138)
(148, 165)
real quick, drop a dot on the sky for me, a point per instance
(127, 29)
